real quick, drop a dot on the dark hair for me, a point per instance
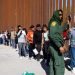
(25, 30)
(38, 25)
(32, 26)
(69, 18)
(19, 26)
(44, 26)
(60, 10)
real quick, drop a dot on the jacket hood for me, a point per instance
(56, 18)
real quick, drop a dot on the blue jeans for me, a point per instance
(72, 56)
(13, 44)
(22, 49)
(1, 41)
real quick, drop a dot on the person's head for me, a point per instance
(45, 28)
(58, 15)
(32, 27)
(12, 29)
(19, 27)
(38, 27)
(68, 18)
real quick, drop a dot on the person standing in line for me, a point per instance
(9, 38)
(3, 37)
(66, 30)
(26, 46)
(37, 39)
(46, 43)
(6, 38)
(21, 41)
(13, 35)
(72, 48)
(30, 35)
(1, 40)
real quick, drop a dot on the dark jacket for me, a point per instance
(37, 38)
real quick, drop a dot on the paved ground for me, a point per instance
(11, 64)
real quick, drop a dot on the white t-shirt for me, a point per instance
(5, 33)
(1, 35)
(46, 36)
(22, 39)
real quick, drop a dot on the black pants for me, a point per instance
(38, 47)
(31, 47)
(7, 41)
(46, 53)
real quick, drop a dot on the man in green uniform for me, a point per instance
(56, 47)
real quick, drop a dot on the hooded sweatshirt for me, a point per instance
(55, 30)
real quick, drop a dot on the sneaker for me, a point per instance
(69, 67)
(21, 57)
(30, 58)
(41, 60)
(73, 71)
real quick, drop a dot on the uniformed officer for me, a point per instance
(56, 47)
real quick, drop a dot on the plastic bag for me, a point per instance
(35, 51)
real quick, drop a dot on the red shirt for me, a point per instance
(65, 35)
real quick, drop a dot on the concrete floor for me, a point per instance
(11, 64)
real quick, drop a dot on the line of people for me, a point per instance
(53, 40)
(26, 42)
(37, 37)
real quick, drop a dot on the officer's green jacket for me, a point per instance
(55, 30)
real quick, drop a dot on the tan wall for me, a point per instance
(24, 12)
(27, 12)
